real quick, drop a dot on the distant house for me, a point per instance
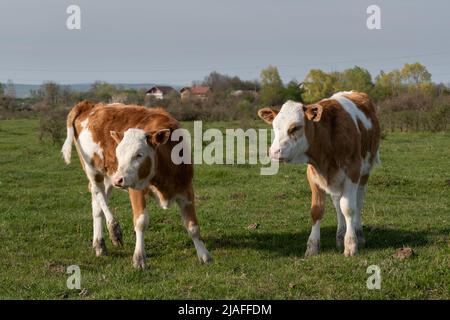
(240, 93)
(159, 92)
(195, 92)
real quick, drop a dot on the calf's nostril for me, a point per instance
(119, 182)
(274, 153)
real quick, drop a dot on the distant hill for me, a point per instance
(24, 90)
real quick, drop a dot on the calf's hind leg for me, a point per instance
(190, 222)
(100, 193)
(340, 232)
(348, 204)
(360, 203)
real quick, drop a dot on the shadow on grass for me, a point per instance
(294, 244)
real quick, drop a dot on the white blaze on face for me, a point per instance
(289, 143)
(134, 155)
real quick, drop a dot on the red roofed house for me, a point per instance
(195, 91)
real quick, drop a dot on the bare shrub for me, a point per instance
(217, 107)
(52, 124)
(415, 111)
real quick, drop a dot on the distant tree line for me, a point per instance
(406, 98)
(411, 77)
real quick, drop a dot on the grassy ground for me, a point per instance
(46, 225)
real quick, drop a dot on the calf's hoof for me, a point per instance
(312, 248)
(204, 257)
(351, 246)
(100, 248)
(139, 261)
(115, 233)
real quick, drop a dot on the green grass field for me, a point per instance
(46, 225)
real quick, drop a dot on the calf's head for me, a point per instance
(136, 154)
(290, 142)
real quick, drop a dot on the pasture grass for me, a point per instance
(46, 225)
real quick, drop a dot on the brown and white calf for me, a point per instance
(129, 147)
(339, 139)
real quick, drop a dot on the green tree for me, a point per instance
(319, 85)
(103, 91)
(356, 78)
(1, 89)
(415, 74)
(387, 84)
(293, 91)
(272, 89)
(222, 83)
(217, 82)
(411, 77)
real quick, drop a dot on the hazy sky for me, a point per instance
(177, 41)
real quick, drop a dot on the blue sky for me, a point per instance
(175, 41)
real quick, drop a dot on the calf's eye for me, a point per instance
(294, 129)
(139, 155)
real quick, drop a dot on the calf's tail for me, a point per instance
(81, 107)
(66, 149)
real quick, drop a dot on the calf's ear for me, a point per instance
(117, 136)
(159, 137)
(313, 112)
(267, 114)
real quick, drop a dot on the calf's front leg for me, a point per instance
(98, 242)
(318, 197)
(140, 220)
